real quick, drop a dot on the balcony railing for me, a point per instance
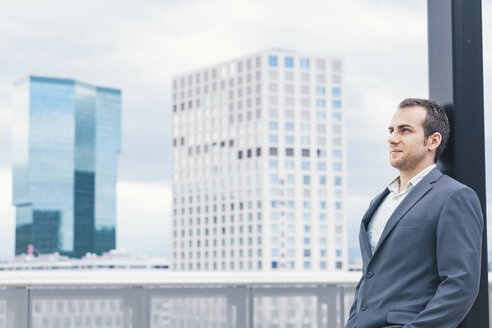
(154, 299)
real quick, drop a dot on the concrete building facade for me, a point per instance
(259, 164)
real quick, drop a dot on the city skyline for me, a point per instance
(139, 48)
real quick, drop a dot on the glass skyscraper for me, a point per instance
(66, 138)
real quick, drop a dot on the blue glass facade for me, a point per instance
(66, 137)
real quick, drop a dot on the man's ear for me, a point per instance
(434, 140)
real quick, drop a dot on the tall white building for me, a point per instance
(259, 164)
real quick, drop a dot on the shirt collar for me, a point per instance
(394, 186)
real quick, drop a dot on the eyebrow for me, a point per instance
(402, 126)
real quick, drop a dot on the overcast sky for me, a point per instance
(137, 46)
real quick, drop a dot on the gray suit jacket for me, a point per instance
(425, 270)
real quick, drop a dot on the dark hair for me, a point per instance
(436, 120)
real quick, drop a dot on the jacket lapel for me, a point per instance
(410, 200)
(365, 246)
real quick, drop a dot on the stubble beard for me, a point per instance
(409, 164)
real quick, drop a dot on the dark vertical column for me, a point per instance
(456, 81)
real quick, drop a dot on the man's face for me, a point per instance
(407, 142)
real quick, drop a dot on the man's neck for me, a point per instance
(406, 176)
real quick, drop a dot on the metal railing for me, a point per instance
(143, 299)
(170, 299)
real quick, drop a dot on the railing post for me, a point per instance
(17, 304)
(251, 307)
(329, 295)
(138, 301)
(237, 307)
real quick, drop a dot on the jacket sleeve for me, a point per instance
(458, 253)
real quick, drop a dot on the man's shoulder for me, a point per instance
(450, 186)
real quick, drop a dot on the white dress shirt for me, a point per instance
(389, 205)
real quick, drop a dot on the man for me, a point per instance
(421, 237)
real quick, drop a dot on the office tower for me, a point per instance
(66, 137)
(258, 164)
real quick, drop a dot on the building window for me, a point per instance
(305, 63)
(273, 126)
(336, 65)
(272, 61)
(336, 92)
(320, 115)
(289, 62)
(273, 151)
(289, 126)
(336, 104)
(289, 151)
(320, 91)
(273, 138)
(306, 179)
(305, 153)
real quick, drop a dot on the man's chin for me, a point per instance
(395, 163)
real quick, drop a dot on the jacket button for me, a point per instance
(370, 274)
(363, 307)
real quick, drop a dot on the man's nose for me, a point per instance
(393, 138)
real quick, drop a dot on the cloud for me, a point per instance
(7, 215)
(143, 218)
(139, 47)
